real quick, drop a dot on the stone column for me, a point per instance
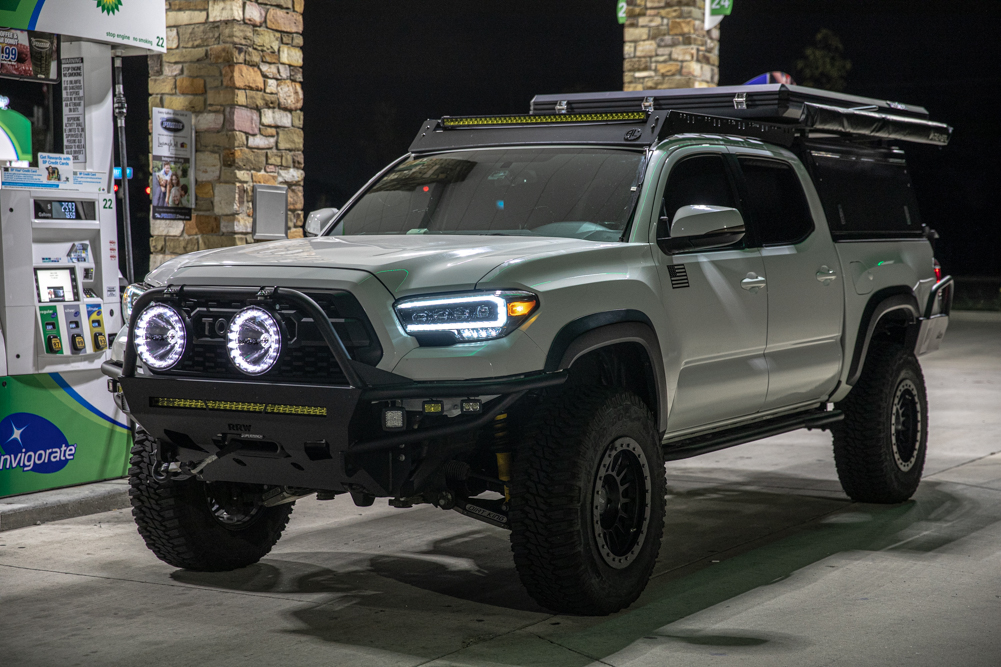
(667, 46)
(237, 65)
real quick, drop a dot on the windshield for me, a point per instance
(583, 193)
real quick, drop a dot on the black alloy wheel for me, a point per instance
(621, 502)
(906, 427)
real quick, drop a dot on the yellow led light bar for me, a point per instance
(306, 410)
(487, 121)
(191, 403)
(234, 406)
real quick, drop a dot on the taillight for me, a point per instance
(938, 269)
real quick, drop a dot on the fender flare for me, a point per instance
(599, 330)
(882, 303)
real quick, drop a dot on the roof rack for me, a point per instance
(774, 113)
(682, 122)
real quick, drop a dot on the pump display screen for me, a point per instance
(48, 209)
(55, 285)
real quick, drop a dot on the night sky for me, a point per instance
(375, 71)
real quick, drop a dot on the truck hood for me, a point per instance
(404, 264)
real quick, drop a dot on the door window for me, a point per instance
(775, 201)
(700, 180)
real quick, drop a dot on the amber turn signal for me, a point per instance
(520, 308)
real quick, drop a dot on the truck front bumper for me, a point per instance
(311, 436)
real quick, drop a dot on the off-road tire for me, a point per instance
(177, 525)
(878, 456)
(555, 532)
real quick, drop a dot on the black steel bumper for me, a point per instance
(293, 434)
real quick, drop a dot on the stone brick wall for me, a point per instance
(667, 46)
(237, 65)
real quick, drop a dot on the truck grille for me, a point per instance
(305, 357)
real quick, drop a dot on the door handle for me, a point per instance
(752, 283)
(826, 275)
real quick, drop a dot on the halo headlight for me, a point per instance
(160, 336)
(254, 340)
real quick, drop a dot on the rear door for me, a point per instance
(805, 291)
(715, 301)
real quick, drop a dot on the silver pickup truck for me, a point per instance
(524, 317)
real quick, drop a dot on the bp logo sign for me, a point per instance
(33, 444)
(109, 6)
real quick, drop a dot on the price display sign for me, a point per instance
(28, 54)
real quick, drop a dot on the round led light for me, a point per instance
(254, 340)
(160, 337)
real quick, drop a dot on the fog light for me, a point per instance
(472, 406)
(394, 419)
(254, 340)
(160, 336)
(433, 407)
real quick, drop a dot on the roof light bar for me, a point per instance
(449, 122)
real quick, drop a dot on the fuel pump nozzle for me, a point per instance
(121, 110)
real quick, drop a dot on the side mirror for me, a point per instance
(270, 213)
(318, 220)
(700, 227)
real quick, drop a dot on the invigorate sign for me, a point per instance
(138, 23)
(34, 443)
(50, 436)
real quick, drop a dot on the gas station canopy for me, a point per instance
(130, 23)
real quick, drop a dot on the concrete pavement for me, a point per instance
(57, 504)
(765, 562)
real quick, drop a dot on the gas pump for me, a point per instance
(59, 302)
(59, 290)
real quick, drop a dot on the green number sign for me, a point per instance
(620, 10)
(720, 7)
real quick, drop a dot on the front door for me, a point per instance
(716, 302)
(805, 290)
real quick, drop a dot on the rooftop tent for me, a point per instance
(15, 136)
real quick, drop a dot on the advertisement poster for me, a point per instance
(58, 167)
(26, 54)
(50, 436)
(139, 23)
(74, 119)
(172, 187)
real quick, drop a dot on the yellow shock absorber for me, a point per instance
(503, 457)
(504, 472)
